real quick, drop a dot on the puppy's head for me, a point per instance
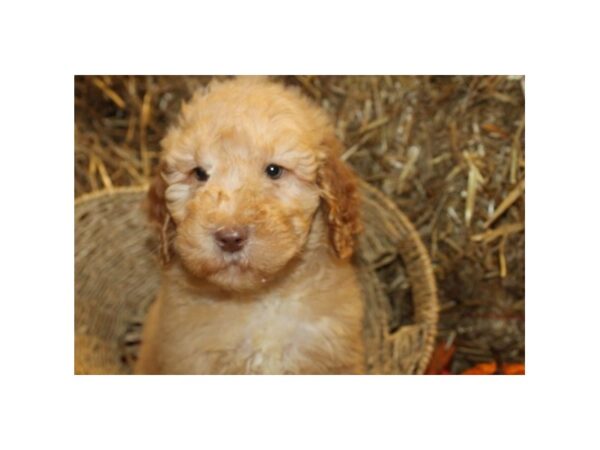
(242, 177)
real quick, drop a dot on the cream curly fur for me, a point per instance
(289, 300)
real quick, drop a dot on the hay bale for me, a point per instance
(447, 150)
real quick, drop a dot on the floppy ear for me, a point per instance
(159, 216)
(339, 190)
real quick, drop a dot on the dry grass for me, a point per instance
(448, 150)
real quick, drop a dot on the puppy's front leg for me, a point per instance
(147, 362)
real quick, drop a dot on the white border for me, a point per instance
(45, 44)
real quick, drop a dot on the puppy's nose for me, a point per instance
(231, 239)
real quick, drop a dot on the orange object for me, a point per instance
(486, 368)
(440, 360)
(513, 369)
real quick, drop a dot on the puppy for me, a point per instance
(258, 218)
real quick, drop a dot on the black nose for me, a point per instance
(231, 239)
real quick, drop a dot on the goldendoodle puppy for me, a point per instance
(258, 217)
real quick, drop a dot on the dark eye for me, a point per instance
(201, 174)
(274, 171)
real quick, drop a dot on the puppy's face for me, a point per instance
(243, 175)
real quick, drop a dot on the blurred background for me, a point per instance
(449, 151)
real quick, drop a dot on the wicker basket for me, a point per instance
(117, 275)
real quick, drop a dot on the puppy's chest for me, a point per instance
(276, 335)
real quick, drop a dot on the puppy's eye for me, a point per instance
(274, 171)
(201, 174)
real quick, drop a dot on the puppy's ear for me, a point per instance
(339, 190)
(159, 216)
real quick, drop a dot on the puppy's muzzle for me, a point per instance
(231, 239)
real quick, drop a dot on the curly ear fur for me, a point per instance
(339, 190)
(159, 216)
